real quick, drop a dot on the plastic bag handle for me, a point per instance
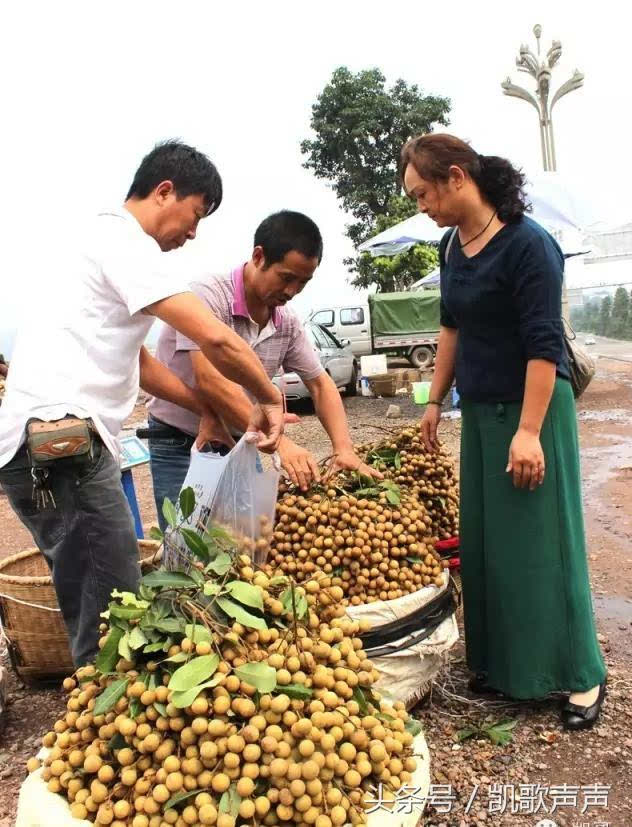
(251, 437)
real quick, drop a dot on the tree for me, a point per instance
(620, 313)
(603, 320)
(591, 316)
(390, 273)
(360, 127)
(628, 328)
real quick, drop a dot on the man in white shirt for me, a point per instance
(83, 357)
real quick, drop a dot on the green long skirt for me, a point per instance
(528, 611)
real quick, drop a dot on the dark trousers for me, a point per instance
(170, 452)
(88, 539)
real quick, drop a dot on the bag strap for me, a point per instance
(449, 245)
(566, 325)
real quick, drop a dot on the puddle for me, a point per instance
(613, 415)
(613, 608)
(599, 464)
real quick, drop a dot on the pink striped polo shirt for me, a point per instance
(281, 343)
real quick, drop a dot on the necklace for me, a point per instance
(478, 235)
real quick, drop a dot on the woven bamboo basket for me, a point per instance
(37, 638)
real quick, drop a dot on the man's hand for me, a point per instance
(348, 460)
(526, 460)
(212, 429)
(268, 420)
(299, 463)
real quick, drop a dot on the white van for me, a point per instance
(348, 321)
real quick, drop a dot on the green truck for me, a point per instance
(398, 324)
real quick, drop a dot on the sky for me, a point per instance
(88, 88)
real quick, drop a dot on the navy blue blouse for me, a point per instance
(506, 302)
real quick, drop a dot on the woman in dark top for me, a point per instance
(528, 613)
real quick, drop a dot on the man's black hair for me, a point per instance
(190, 171)
(286, 230)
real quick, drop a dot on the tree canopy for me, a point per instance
(360, 126)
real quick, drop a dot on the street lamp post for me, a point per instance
(540, 68)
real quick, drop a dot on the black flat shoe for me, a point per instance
(479, 686)
(576, 717)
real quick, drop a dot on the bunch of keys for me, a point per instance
(42, 494)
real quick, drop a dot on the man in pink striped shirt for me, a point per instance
(252, 301)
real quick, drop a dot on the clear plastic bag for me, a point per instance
(245, 497)
(233, 492)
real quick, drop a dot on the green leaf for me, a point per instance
(156, 647)
(161, 709)
(130, 599)
(413, 726)
(169, 512)
(238, 613)
(169, 625)
(246, 593)
(358, 695)
(197, 575)
(221, 564)
(468, 732)
(137, 638)
(124, 648)
(392, 497)
(278, 581)
(126, 612)
(230, 801)
(196, 544)
(286, 601)
(300, 603)
(197, 633)
(187, 696)
(397, 461)
(260, 675)
(414, 559)
(117, 742)
(109, 655)
(179, 657)
(216, 532)
(187, 502)
(211, 588)
(501, 732)
(168, 579)
(193, 673)
(109, 697)
(296, 690)
(156, 534)
(135, 707)
(302, 606)
(384, 717)
(179, 798)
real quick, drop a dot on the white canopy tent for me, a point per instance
(556, 203)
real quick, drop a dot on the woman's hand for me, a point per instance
(429, 423)
(526, 460)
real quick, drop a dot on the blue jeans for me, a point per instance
(88, 538)
(170, 456)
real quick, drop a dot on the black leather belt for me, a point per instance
(163, 431)
(411, 629)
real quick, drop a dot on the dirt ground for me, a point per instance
(477, 779)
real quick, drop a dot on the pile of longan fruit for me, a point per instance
(310, 751)
(368, 549)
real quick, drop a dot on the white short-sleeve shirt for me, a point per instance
(80, 353)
